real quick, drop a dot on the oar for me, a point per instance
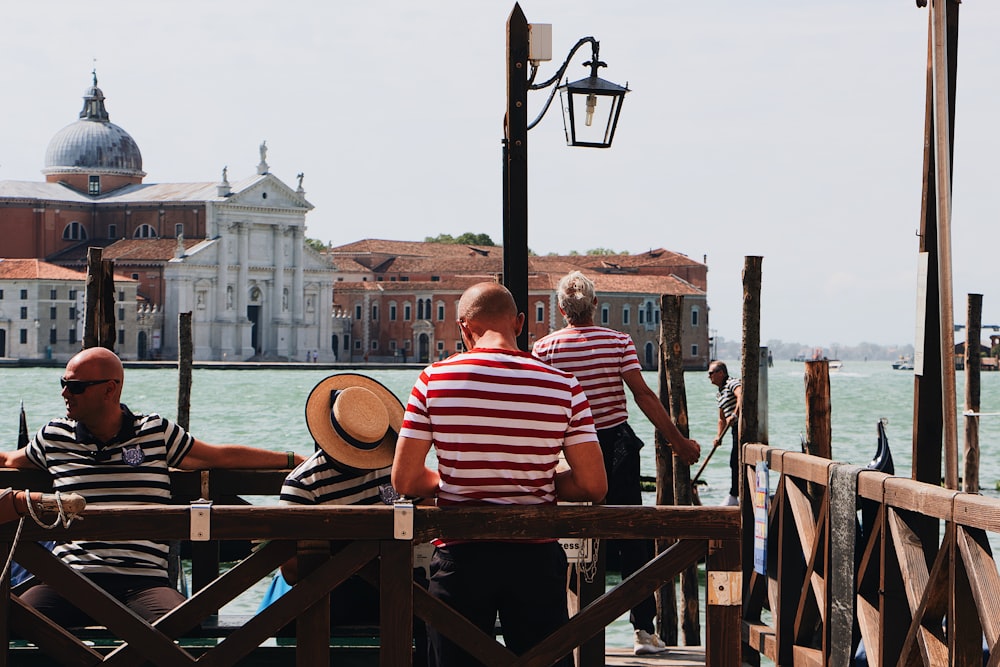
(704, 463)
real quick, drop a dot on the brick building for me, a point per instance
(401, 297)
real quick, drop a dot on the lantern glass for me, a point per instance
(590, 111)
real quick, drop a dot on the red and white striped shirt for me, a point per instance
(597, 356)
(498, 421)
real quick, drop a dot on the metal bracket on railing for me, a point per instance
(402, 520)
(201, 520)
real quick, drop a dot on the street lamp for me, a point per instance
(592, 100)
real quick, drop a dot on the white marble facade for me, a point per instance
(255, 290)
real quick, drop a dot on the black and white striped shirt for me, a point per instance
(131, 469)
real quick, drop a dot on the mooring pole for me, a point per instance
(973, 366)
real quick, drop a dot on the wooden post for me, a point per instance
(671, 313)
(818, 426)
(184, 361)
(666, 601)
(973, 331)
(748, 414)
(762, 436)
(99, 318)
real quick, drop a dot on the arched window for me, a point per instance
(74, 231)
(144, 232)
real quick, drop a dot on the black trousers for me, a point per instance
(624, 489)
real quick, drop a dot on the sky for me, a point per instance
(782, 129)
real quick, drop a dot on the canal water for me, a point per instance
(265, 408)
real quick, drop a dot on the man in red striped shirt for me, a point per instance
(498, 419)
(604, 361)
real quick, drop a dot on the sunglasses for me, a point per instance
(79, 386)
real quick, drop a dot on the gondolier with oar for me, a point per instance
(730, 401)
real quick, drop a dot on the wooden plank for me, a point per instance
(807, 657)
(977, 511)
(396, 602)
(593, 619)
(868, 622)
(984, 580)
(926, 499)
(760, 638)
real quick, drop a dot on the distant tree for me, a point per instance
(468, 238)
(316, 245)
(604, 251)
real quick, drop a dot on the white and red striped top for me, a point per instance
(498, 421)
(597, 356)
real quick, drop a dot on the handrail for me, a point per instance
(907, 587)
(698, 532)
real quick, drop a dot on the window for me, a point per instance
(642, 316)
(694, 350)
(420, 309)
(135, 276)
(121, 336)
(24, 294)
(1, 293)
(112, 231)
(144, 232)
(374, 344)
(605, 314)
(24, 336)
(357, 345)
(374, 312)
(649, 312)
(392, 312)
(440, 346)
(52, 313)
(121, 314)
(625, 316)
(52, 336)
(72, 336)
(72, 312)
(72, 294)
(407, 312)
(94, 185)
(179, 230)
(435, 279)
(392, 345)
(74, 231)
(121, 295)
(24, 312)
(440, 312)
(539, 313)
(52, 294)
(694, 317)
(404, 279)
(357, 312)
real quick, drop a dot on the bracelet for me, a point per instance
(291, 459)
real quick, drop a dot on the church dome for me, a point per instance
(93, 144)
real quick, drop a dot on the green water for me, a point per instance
(265, 408)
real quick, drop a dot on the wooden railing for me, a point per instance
(856, 556)
(380, 550)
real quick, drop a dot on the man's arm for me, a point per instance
(686, 449)
(15, 459)
(410, 474)
(585, 480)
(204, 456)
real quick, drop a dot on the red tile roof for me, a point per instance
(36, 269)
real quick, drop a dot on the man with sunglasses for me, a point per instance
(109, 455)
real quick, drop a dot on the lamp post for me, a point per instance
(596, 101)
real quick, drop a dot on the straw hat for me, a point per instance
(355, 420)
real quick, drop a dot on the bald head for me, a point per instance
(487, 313)
(486, 303)
(96, 363)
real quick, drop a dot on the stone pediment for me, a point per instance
(267, 192)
